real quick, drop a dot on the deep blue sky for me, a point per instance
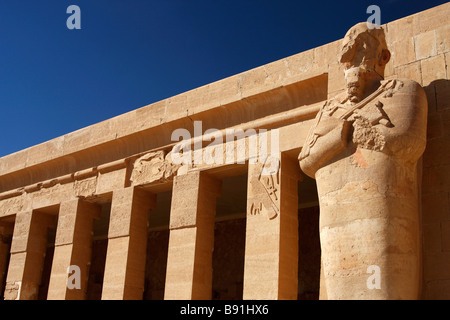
(131, 53)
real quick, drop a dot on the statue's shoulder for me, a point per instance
(402, 86)
(406, 94)
(338, 99)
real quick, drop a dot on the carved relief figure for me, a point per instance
(153, 166)
(363, 151)
(267, 185)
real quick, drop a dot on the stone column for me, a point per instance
(271, 244)
(6, 230)
(73, 247)
(191, 240)
(28, 249)
(127, 244)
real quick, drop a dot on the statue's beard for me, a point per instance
(358, 78)
(353, 79)
(354, 92)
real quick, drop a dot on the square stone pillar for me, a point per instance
(28, 250)
(73, 247)
(127, 244)
(191, 239)
(271, 243)
(6, 231)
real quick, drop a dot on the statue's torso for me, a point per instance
(392, 126)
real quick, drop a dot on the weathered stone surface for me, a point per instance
(111, 180)
(73, 246)
(271, 245)
(85, 187)
(191, 239)
(153, 166)
(27, 255)
(127, 244)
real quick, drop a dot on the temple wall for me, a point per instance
(148, 225)
(421, 51)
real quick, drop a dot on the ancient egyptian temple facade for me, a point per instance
(108, 212)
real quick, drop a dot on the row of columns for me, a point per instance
(271, 252)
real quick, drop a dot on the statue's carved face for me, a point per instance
(363, 56)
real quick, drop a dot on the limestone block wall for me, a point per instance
(421, 51)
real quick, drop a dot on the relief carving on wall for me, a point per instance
(266, 190)
(153, 166)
